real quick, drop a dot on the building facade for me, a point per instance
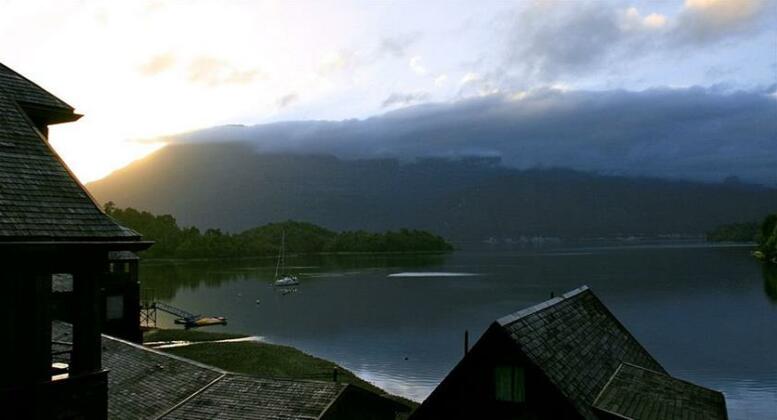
(49, 225)
(566, 358)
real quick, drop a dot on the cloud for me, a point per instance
(706, 21)
(551, 40)
(416, 66)
(548, 40)
(441, 80)
(286, 100)
(397, 46)
(212, 71)
(333, 62)
(695, 133)
(474, 84)
(469, 77)
(404, 99)
(633, 20)
(654, 20)
(157, 64)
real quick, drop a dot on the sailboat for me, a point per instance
(282, 279)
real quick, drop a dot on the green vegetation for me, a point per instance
(260, 359)
(764, 234)
(267, 360)
(735, 232)
(767, 239)
(173, 241)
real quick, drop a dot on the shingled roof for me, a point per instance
(578, 343)
(144, 383)
(634, 392)
(596, 363)
(24, 91)
(245, 397)
(40, 199)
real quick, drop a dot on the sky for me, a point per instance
(142, 71)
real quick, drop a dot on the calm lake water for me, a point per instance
(708, 314)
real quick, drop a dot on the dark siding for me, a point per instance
(355, 403)
(468, 391)
(578, 343)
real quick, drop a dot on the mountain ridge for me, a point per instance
(233, 187)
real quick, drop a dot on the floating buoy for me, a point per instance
(257, 301)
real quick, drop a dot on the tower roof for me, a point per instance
(40, 198)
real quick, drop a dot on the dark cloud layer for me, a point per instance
(696, 133)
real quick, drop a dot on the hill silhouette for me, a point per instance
(232, 187)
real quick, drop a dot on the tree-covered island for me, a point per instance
(764, 234)
(767, 240)
(173, 241)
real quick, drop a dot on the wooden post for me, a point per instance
(30, 340)
(42, 284)
(86, 356)
(132, 304)
(466, 342)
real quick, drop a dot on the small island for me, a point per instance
(173, 241)
(764, 234)
(767, 240)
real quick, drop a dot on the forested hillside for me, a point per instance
(231, 187)
(174, 241)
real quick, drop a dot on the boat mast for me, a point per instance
(281, 253)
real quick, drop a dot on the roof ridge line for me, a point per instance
(668, 375)
(515, 316)
(609, 380)
(170, 355)
(332, 402)
(190, 397)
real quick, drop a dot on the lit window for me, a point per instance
(509, 383)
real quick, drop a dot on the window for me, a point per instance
(114, 307)
(509, 384)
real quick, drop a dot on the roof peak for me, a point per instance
(515, 316)
(27, 91)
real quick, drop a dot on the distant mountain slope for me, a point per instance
(230, 186)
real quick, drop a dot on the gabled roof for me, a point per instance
(40, 199)
(578, 343)
(144, 383)
(634, 392)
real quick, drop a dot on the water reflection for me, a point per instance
(770, 281)
(163, 279)
(707, 314)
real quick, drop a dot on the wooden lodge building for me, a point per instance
(49, 225)
(70, 272)
(566, 358)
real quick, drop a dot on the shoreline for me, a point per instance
(602, 243)
(252, 355)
